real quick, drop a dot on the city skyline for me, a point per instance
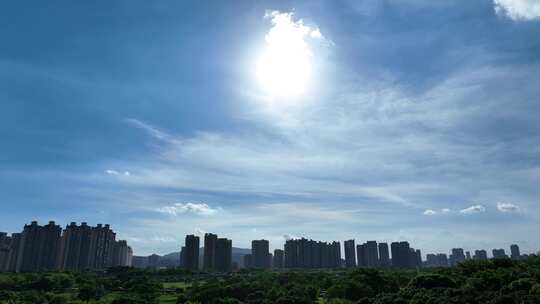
(81, 247)
(408, 120)
(195, 244)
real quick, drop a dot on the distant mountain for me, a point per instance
(173, 258)
(235, 251)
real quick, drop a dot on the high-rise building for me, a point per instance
(443, 259)
(291, 254)
(209, 261)
(260, 253)
(384, 256)
(191, 253)
(335, 255)
(39, 247)
(467, 255)
(122, 254)
(361, 255)
(223, 258)
(102, 246)
(371, 254)
(278, 258)
(514, 252)
(480, 255)
(416, 258)
(499, 254)
(324, 250)
(350, 253)
(303, 253)
(436, 260)
(316, 254)
(76, 248)
(248, 261)
(394, 247)
(14, 244)
(431, 260)
(401, 254)
(3, 238)
(153, 261)
(182, 257)
(85, 247)
(129, 256)
(457, 256)
(5, 246)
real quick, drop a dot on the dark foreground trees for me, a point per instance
(494, 282)
(491, 282)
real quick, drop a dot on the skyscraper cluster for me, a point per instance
(76, 248)
(217, 253)
(458, 255)
(371, 254)
(304, 253)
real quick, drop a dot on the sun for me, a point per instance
(283, 71)
(284, 67)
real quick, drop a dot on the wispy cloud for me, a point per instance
(518, 9)
(507, 207)
(183, 208)
(435, 212)
(473, 209)
(164, 239)
(149, 129)
(115, 172)
(112, 172)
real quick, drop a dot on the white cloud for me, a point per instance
(473, 209)
(163, 239)
(507, 207)
(518, 9)
(316, 33)
(287, 237)
(430, 212)
(435, 212)
(284, 23)
(116, 172)
(182, 208)
(111, 172)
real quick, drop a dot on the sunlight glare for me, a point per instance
(284, 67)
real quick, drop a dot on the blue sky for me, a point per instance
(419, 121)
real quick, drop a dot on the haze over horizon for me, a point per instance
(377, 120)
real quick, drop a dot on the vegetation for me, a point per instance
(496, 282)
